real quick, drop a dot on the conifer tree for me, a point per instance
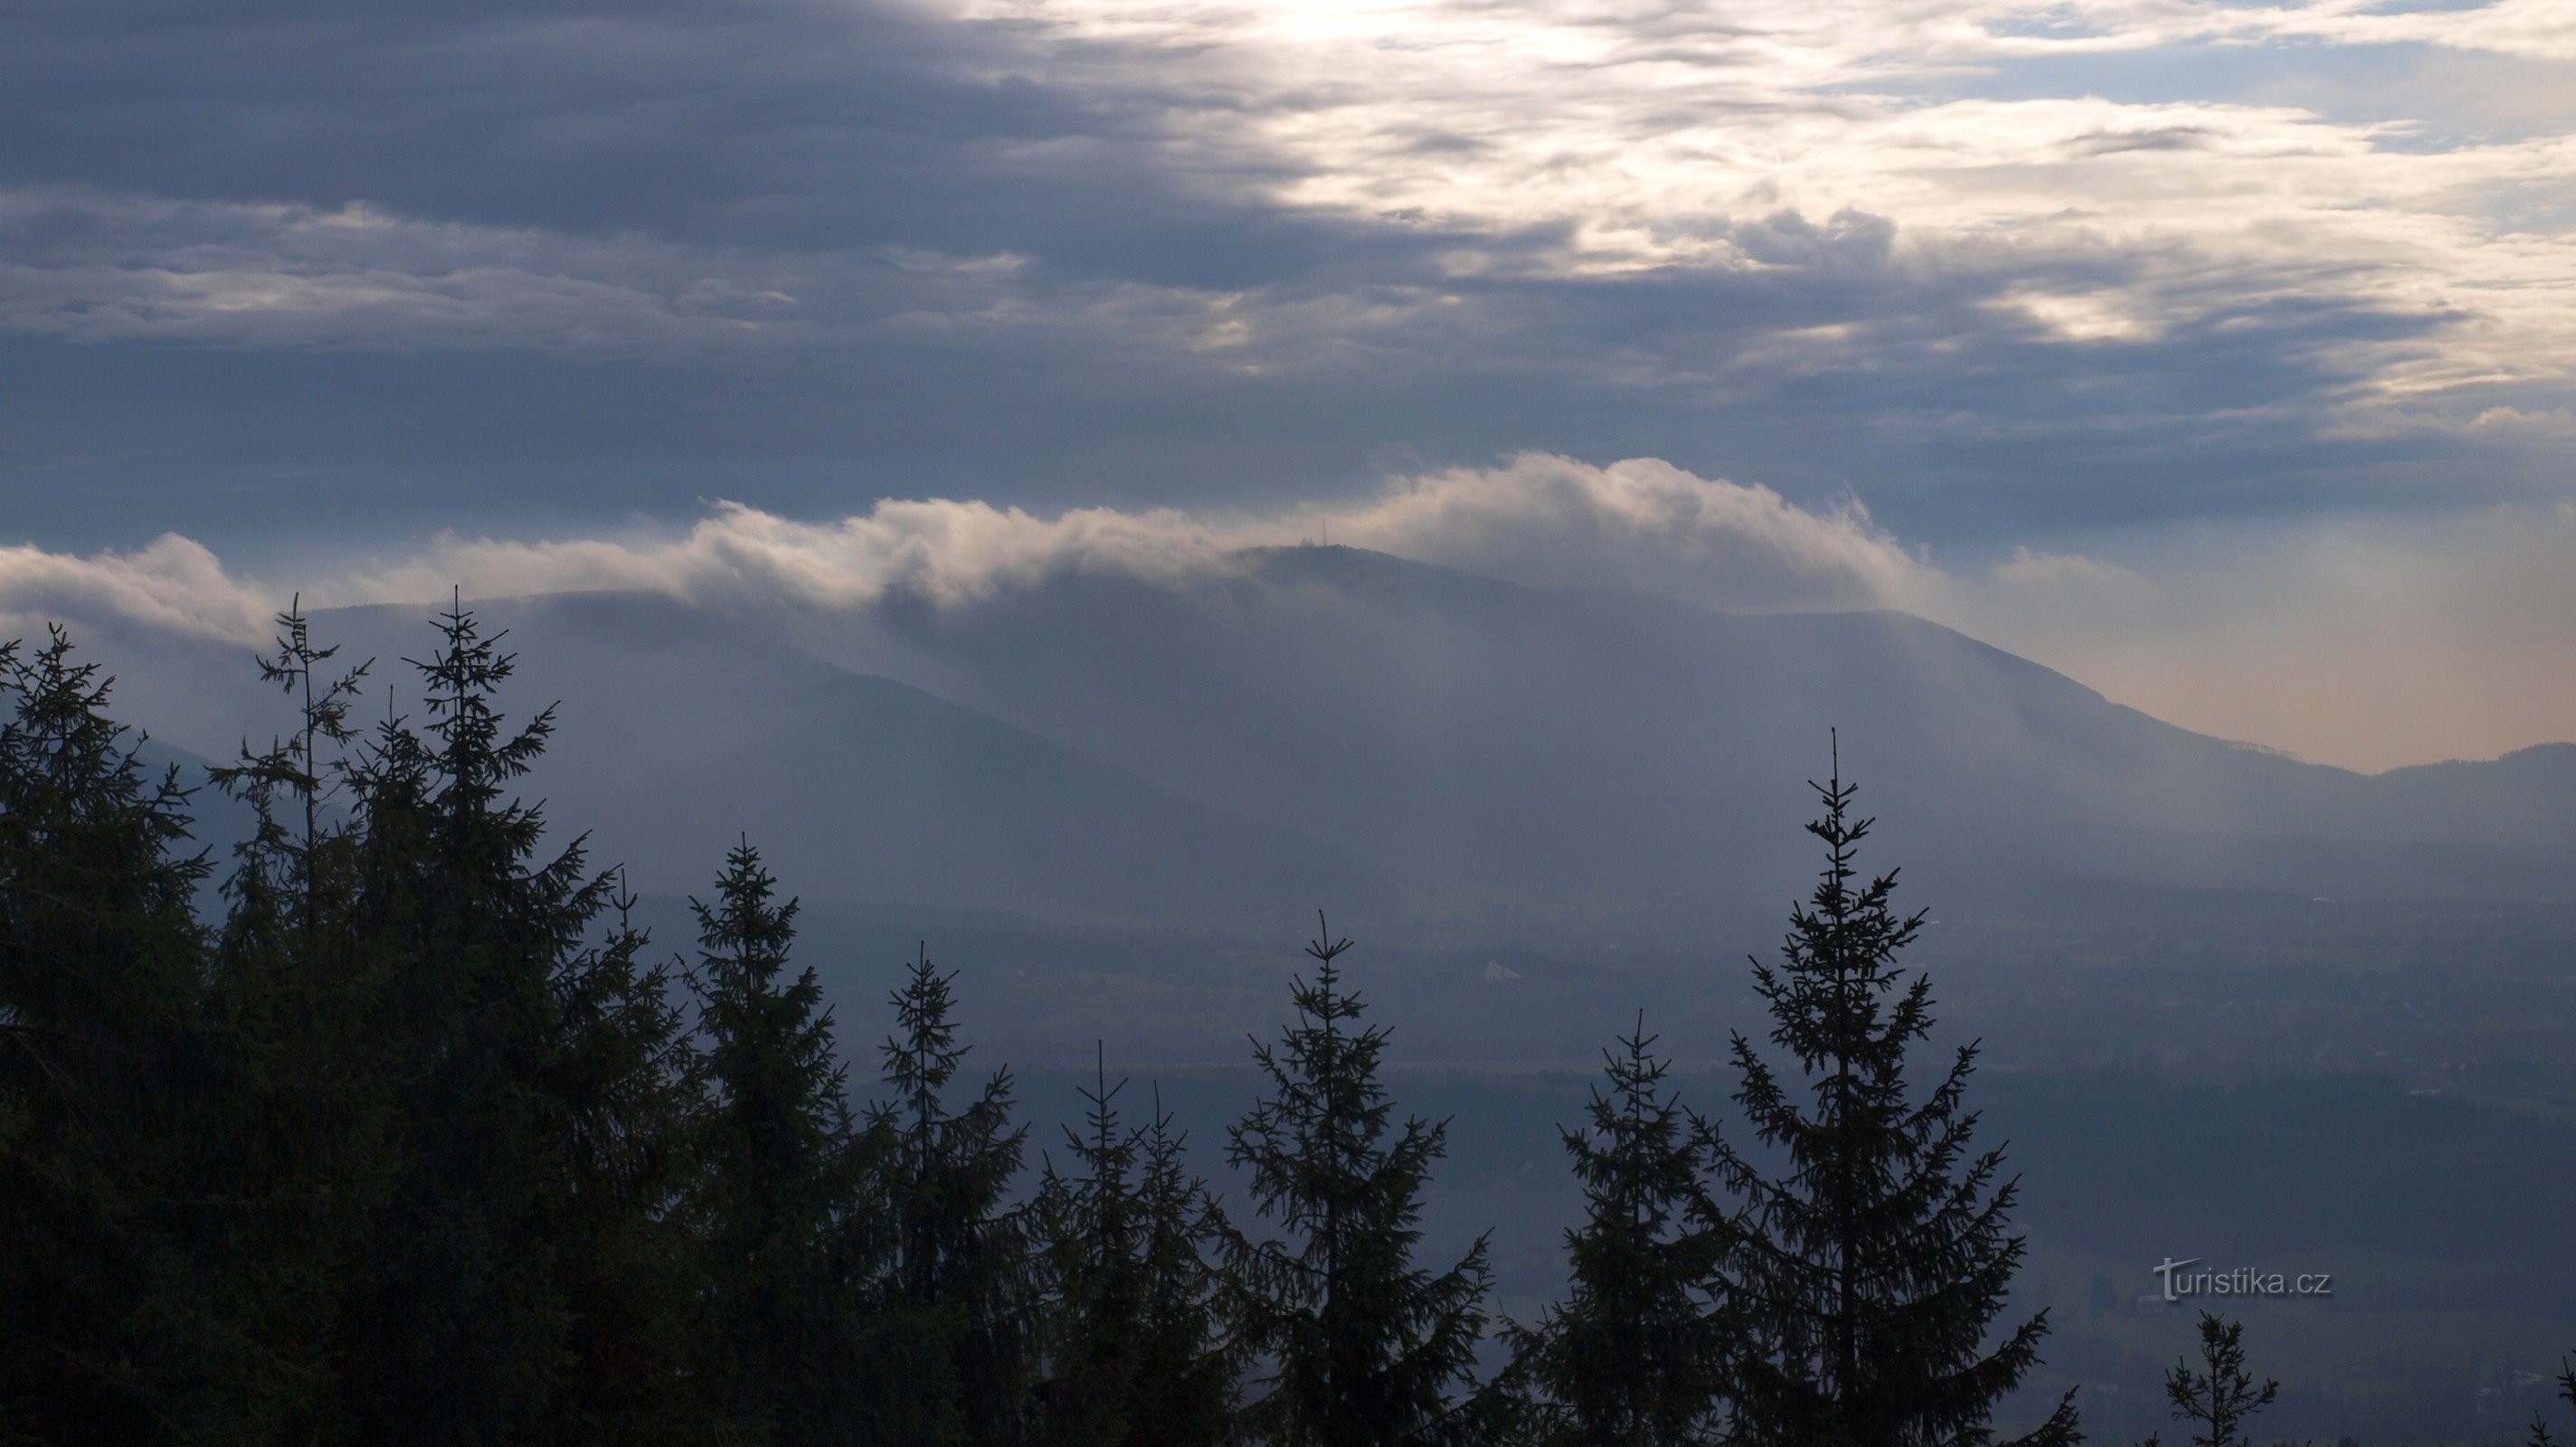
(1355, 1345)
(460, 1323)
(950, 1339)
(103, 1332)
(782, 1184)
(1085, 1231)
(1129, 1335)
(1637, 1355)
(632, 1269)
(304, 1138)
(1184, 1393)
(1870, 1271)
(2566, 1384)
(1085, 1239)
(2217, 1398)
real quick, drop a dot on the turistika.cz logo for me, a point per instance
(2180, 1282)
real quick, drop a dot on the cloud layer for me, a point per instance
(1643, 525)
(1540, 519)
(2369, 645)
(1993, 263)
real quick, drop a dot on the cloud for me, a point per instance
(951, 553)
(1588, 142)
(174, 585)
(1229, 255)
(1641, 524)
(1538, 519)
(2028, 566)
(154, 269)
(2363, 642)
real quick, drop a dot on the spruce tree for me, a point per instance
(2216, 1398)
(1355, 1345)
(1637, 1355)
(2566, 1384)
(1870, 1271)
(630, 1093)
(104, 1332)
(950, 1341)
(1127, 1322)
(458, 1329)
(782, 1187)
(304, 1140)
(1183, 1394)
(1085, 1230)
(1085, 1236)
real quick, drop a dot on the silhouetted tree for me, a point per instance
(2217, 1397)
(1637, 1356)
(1184, 1393)
(305, 1142)
(1871, 1269)
(1356, 1346)
(1128, 1330)
(633, 1269)
(104, 1335)
(950, 1346)
(457, 1330)
(2566, 1393)
(783, 1184)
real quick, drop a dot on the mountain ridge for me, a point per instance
(1315, 724)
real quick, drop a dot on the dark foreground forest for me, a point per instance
(417, 1137)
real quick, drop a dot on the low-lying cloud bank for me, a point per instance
(2363, 644)
(1645, 525)
(1539, 519)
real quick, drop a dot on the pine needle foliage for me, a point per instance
(1354, 1345)
(1869, 1270)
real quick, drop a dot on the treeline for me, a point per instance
(424, 1142)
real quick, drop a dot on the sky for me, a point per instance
(2222, 356)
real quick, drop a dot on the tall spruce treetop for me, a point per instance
(954, 1298)
(461, 1319)
(1870, 1271)
(1131, 1348)
(1637, 1355)
(1356, 1345)
(101, 1060)
(1087, 1228)
(782, 1180)
(1185, 1394)
(293, 766)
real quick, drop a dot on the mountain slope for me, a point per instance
(1324, 725)
(1482, 737)
(678, 733)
